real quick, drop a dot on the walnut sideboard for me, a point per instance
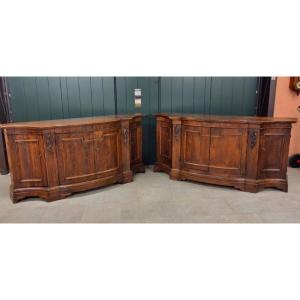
(53, 159)
(248, 153)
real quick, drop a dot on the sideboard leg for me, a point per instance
(156, 168)
(175, 174)
(139, 168)
(127, 177)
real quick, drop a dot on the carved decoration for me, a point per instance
(253, 138)
(49, 142)
(126, 135)
(177, 131)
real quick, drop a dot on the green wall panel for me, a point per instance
(45, 98)
(201, 94)
(42, 86)
(56, 107)
(188, 94)
(166, 94)
(150, 104)
(31, 98)
(209, 95)
(42, 98)
(85, 96)
(108, 95)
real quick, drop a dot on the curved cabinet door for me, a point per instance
(195, 147)
(75, 157)
(228, 147)
(27, 160)
(107, 152)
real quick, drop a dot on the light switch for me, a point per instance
(137, 98)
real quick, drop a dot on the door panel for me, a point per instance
(228, 151)
(29, 167)
(79, 148)
(107, 152)
(274, 145)
(195, 147)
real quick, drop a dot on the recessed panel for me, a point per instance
(107, 152)
(75, 157)
(195, 147)
(30, 161)
(227, 151)
(165, 141)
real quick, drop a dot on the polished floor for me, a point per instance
(154, 198)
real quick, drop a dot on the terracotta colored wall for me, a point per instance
(286, 103)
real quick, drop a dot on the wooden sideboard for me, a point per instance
(53, 159)
(248, 153)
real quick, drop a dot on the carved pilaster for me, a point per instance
(125, 135)
(176, 145)
(127, 173)
(51, 160)
(252, 137)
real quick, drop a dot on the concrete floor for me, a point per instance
(154, 198)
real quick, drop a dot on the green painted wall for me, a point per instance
(209, 95)
(45, 98)
(42, 98)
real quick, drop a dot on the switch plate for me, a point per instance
(137, 98)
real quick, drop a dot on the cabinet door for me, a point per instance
(195, 147)
(228, 151)
(75, 156)
(164, 142)
(28, 167)
(273, 156)
(107, 152)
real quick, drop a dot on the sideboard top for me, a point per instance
(229, 119)
(70, 122)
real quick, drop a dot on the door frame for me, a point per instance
(5, 117)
